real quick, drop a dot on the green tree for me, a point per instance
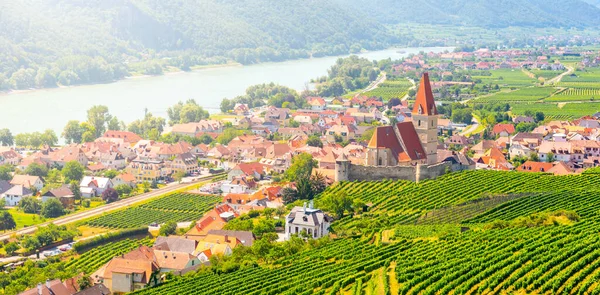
(73, 171)
(302, 167)
(36, 169)
(52, 208)
(338, 203)
(123, 189)
(7, 222)
(6, 138)
(167, 229)
(98, 116)
(111, 173)
(113, 124)
(44, 78)
(186, 112)
(30, 205)
(73, 131)
(30, 243)
(315, 141)
(178, 176)
(75, 189)
(11, 247)
(5, 172)
(550, 157)
(84, 282)
(22, 139)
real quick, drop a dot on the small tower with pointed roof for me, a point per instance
(425, 119)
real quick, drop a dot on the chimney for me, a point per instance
(48, 284)
(39, 288)
(226, 239)
(304, 207)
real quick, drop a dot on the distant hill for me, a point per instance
(484, 13)
(43, 42)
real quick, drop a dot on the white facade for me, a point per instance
(312, 221)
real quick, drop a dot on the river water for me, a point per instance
(51, 108)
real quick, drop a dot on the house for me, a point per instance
(4, 186)
(92, 186)
(185, 163)
(246, 238)
(532, 166)
(147, 170)
(10, 157)
(123, 275)
(345, 132)
(28, 181)
(213, 220)
(63, 194)
(124, 178)
(15, 194)
(313, 222)
(175, 244)
(126, 137)
(518, 150)
(316, 103)
(255, 170)
(238, 185)
(241, 109)
(64, 155)
(503, 129)
(458, 140)
(197, 129)
(560, 151)
(98, 289)
(54, 287)
(112, 160)
(523, 119)
(493, 159)
(279, 114)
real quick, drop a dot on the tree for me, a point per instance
(302, 166)
(178, 176)
(113, 124)
(315, 141)
(73, 132)
(75, 189)
(186, 112)
(98, 117)
(167, 229)
(539, 116)
(110, 195)
(36, 169)
(268, 212)
(22, 139)
(262, 227)
(73, 171)
(123, 189)
(88, 132)
(30, 243)
(338, 203)
(7, 221)
(5, 172)
(550, 157)
(11, 248)
(52, 208)
(111, 173)
(6, 138)
(30, 205)
(84, 282)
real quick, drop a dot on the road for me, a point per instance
(472, 127)
(105, 208)
(559, 77)
(413, 87)
(375, 83)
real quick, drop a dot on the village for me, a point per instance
(361, 137)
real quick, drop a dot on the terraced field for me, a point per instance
(558, 111)
(529, 94)
(507, 78)
(177, 207)
(458, 254)
(576, 94)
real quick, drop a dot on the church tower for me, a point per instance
(425, 119)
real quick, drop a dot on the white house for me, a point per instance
(15, 194)
(91, 186)
(308, 219)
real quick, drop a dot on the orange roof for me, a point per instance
(532, 166)
(424, 103)
(385, 137)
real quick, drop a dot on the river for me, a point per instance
(51, 108)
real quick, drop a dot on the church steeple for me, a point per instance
(425, 119)
(424, 104)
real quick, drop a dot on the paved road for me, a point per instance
(375, 83)
(105, 208)
(472, 128)
(559, 77)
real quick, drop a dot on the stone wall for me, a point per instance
(412, 173)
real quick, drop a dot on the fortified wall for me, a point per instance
(345, 171)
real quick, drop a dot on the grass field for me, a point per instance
(507, 78)
(390, 89)
(25, 219)
(576, 94)
(556, 110)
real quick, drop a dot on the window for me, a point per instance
(419, 123)
(380, 162)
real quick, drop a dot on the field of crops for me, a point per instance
(529, 94)
(506, 78)
(552, 110)
(546, 74)
(576, 94)
(441, 258)
(177, 207)
(391, 89)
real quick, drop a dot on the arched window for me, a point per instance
(419, 123)
(380, 162)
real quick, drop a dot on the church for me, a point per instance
(406, 150)
(408, 143)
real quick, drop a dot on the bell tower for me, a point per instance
(425, 119)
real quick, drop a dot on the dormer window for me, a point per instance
(420, 110)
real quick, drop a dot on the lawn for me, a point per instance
(25, 219)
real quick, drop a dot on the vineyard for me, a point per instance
(557, 111)
(176, 207)
(460, 251)
(391, 89)
(526, 95)
(90, 261)
(506, 78)
(576, 94)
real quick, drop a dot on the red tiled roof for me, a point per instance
(385, 137)
(509, 128)
(424, 103)
(532, 166)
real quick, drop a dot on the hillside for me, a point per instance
(69, 42)
(482, 13)
(476, 232)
